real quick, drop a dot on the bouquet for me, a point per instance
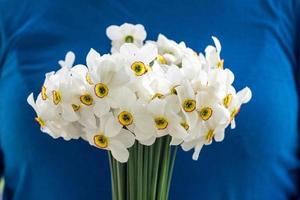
(141, 102)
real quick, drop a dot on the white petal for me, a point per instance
(148, 52)
(87, 118)
(219, 135)
(245, 95)
(157, 106)
(101, 108)
(112, 127)
(148, 142)
(91, 58)
(129, 49)
(118, 150)
(140, 32)
(126, 137)
(217, 43)
(197, 151)
(143, 134)
(186, 146)
(113, 32)
(177, 131)
(68, 113)
(233, 124)
(123, 97)
(175, 141)
(30, 101)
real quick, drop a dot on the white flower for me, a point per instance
(108, 79)
(165, 79)
(137, 60)
(50, 121)
(166, 122)
(169, 51)
(205, 131)
(233, 101)
(132, 114)
(212, 55)
(126, 33)
(110, 135)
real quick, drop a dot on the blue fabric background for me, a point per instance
(257, 161)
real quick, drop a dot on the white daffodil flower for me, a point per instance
(163, 81)
(72, 95)
(169, 51)
(187, 99)
(110, 135)
(233, 101)
(137, 60)
(126, 33)
(166, 121)
(108, 80)
(212, 55)
(205, 131)
(131, 114)
(50, 120)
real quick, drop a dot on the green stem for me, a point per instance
(145, 171)
(140, 172)
(163, 177)
(157, 152)
(112, 175)
(171, 169)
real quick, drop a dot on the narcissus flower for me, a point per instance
(110, 135)
(126, 33)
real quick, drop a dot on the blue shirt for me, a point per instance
(260, 43)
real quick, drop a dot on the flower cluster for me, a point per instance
(141, 91)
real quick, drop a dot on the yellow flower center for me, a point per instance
(76, 107)
(43, 93)
(125, 118)
(101, 141)
(220, 64)
(161, 59)
(129, 39)
(227, 100)
(158, 95)
(161, 123)
(209, 135)
(86, 99)
(40, 121)
(139, 68)
(101, 90)
(205, 113)
(173, 90)
(189, 105)
(234, 112)
(56, 97)
(185, 125)
(88, 79)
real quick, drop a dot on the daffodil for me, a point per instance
(50, 120)
(169, 51)
(233, 101)
(188, 103)
(126, 33)
(212, 55)
(109, 135)
(205, 131)
(166, 121)
(137, 60)
(108, 80)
